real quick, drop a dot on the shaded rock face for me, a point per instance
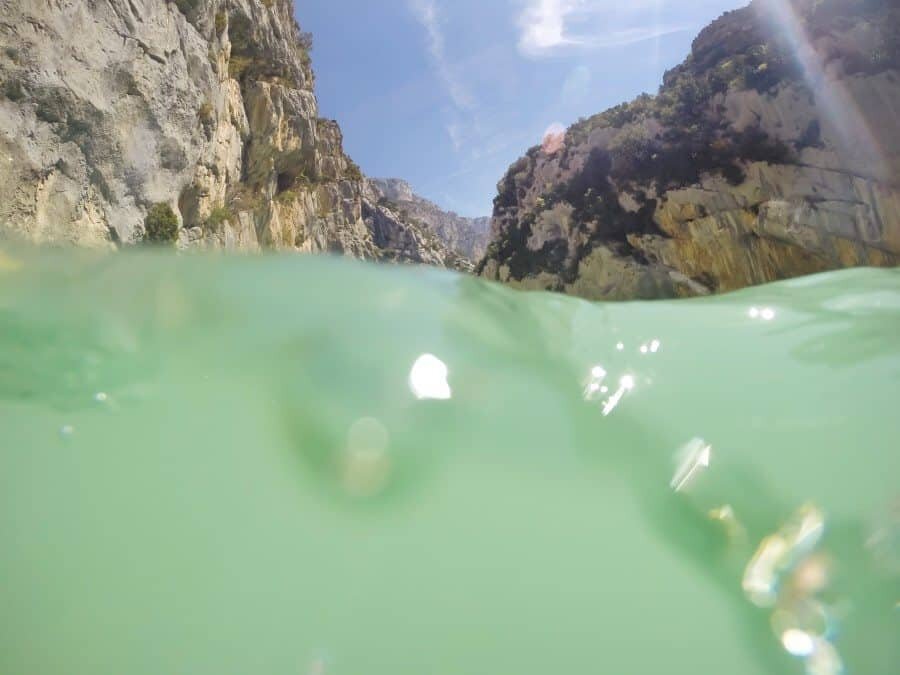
(107, 108)
(401, 238)
(772, 151)
(468, 237)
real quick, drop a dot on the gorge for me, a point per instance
(772, 151)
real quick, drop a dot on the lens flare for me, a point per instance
(554, 139)
(798, 642)
(832, 97)
(428, 379)
(693, 458)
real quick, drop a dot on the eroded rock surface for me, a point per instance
(467, 237)
(402, 238)
(107, 108)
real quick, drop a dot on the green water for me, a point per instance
(217, 466)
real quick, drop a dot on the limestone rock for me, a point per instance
(467, 237)
(403, 238)
(107, 108)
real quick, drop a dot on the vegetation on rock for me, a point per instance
(251, 59)
(161, 225)
(217, 217)
(13, 90)
(353, 172)
(221, 22)
(609, 185)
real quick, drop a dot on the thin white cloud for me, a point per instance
(545, 26)
(455, 132)
(426, 11)
(630, 36)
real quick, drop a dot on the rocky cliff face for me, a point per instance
(772, 151)
(468, 237)
(107, 108)
(401, 238)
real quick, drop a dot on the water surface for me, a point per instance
(306, 465)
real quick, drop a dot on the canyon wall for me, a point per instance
(773, 151)
(109, 108)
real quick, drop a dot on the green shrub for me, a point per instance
(287, 196)
(13, 90)
(221, 22)
(161, 225)
(353, 172)
(247, 58)
(631, 149)
(507, 190)
(305, 42)
(245, 198)
(388, 204)
(238, 65)
(217, 217)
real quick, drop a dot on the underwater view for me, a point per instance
(311, 465)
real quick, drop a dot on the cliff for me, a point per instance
(402, 238)
(107, 108)
(467, 237)
(772, 151)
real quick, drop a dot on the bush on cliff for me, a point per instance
(161, 225)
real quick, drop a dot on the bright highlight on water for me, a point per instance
(298, 465)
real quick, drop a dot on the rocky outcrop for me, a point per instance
(107, 108)
(468, 237)
(403, 239)
(773, 151)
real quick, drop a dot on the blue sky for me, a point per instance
(448, 93)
